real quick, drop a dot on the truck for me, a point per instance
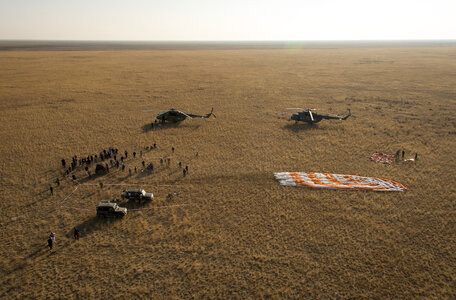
(108, 209)
(137, 194)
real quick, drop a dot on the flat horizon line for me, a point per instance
(100, 45)
(211, 41)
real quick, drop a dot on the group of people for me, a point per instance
(398, 154)
(157, 123)
(167, 160)
(90, 159)
(110, 154)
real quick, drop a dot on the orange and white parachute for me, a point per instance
(338, 181)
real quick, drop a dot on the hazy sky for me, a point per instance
(227, 19)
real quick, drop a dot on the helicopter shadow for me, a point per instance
(299, 127)
(157, 127)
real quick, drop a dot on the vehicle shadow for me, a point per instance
(134, 204)
(91, 225)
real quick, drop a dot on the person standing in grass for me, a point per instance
(396, 157)
(52, 190)
(50, 243)
(76, 233)
(52, 237)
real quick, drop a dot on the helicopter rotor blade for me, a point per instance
(285, 113)
(157, 115)
(300, 108)
(191, 118)
(311, 115)
(212, 113)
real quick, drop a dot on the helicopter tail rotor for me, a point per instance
(211, 114)
(349, 114)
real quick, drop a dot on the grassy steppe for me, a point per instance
(243, 235)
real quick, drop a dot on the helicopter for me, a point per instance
(175, 116)
(310, 116)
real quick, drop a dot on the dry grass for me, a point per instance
(244, 236)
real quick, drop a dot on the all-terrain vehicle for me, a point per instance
(107, 209)
(137, 194)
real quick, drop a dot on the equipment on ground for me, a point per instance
(311, 116)
(100, 170)
(383, 158)
(176, 116)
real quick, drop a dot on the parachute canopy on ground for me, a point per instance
(383, 158)
(338, 182)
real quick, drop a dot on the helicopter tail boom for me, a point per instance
(337, 117)
(202, 116)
